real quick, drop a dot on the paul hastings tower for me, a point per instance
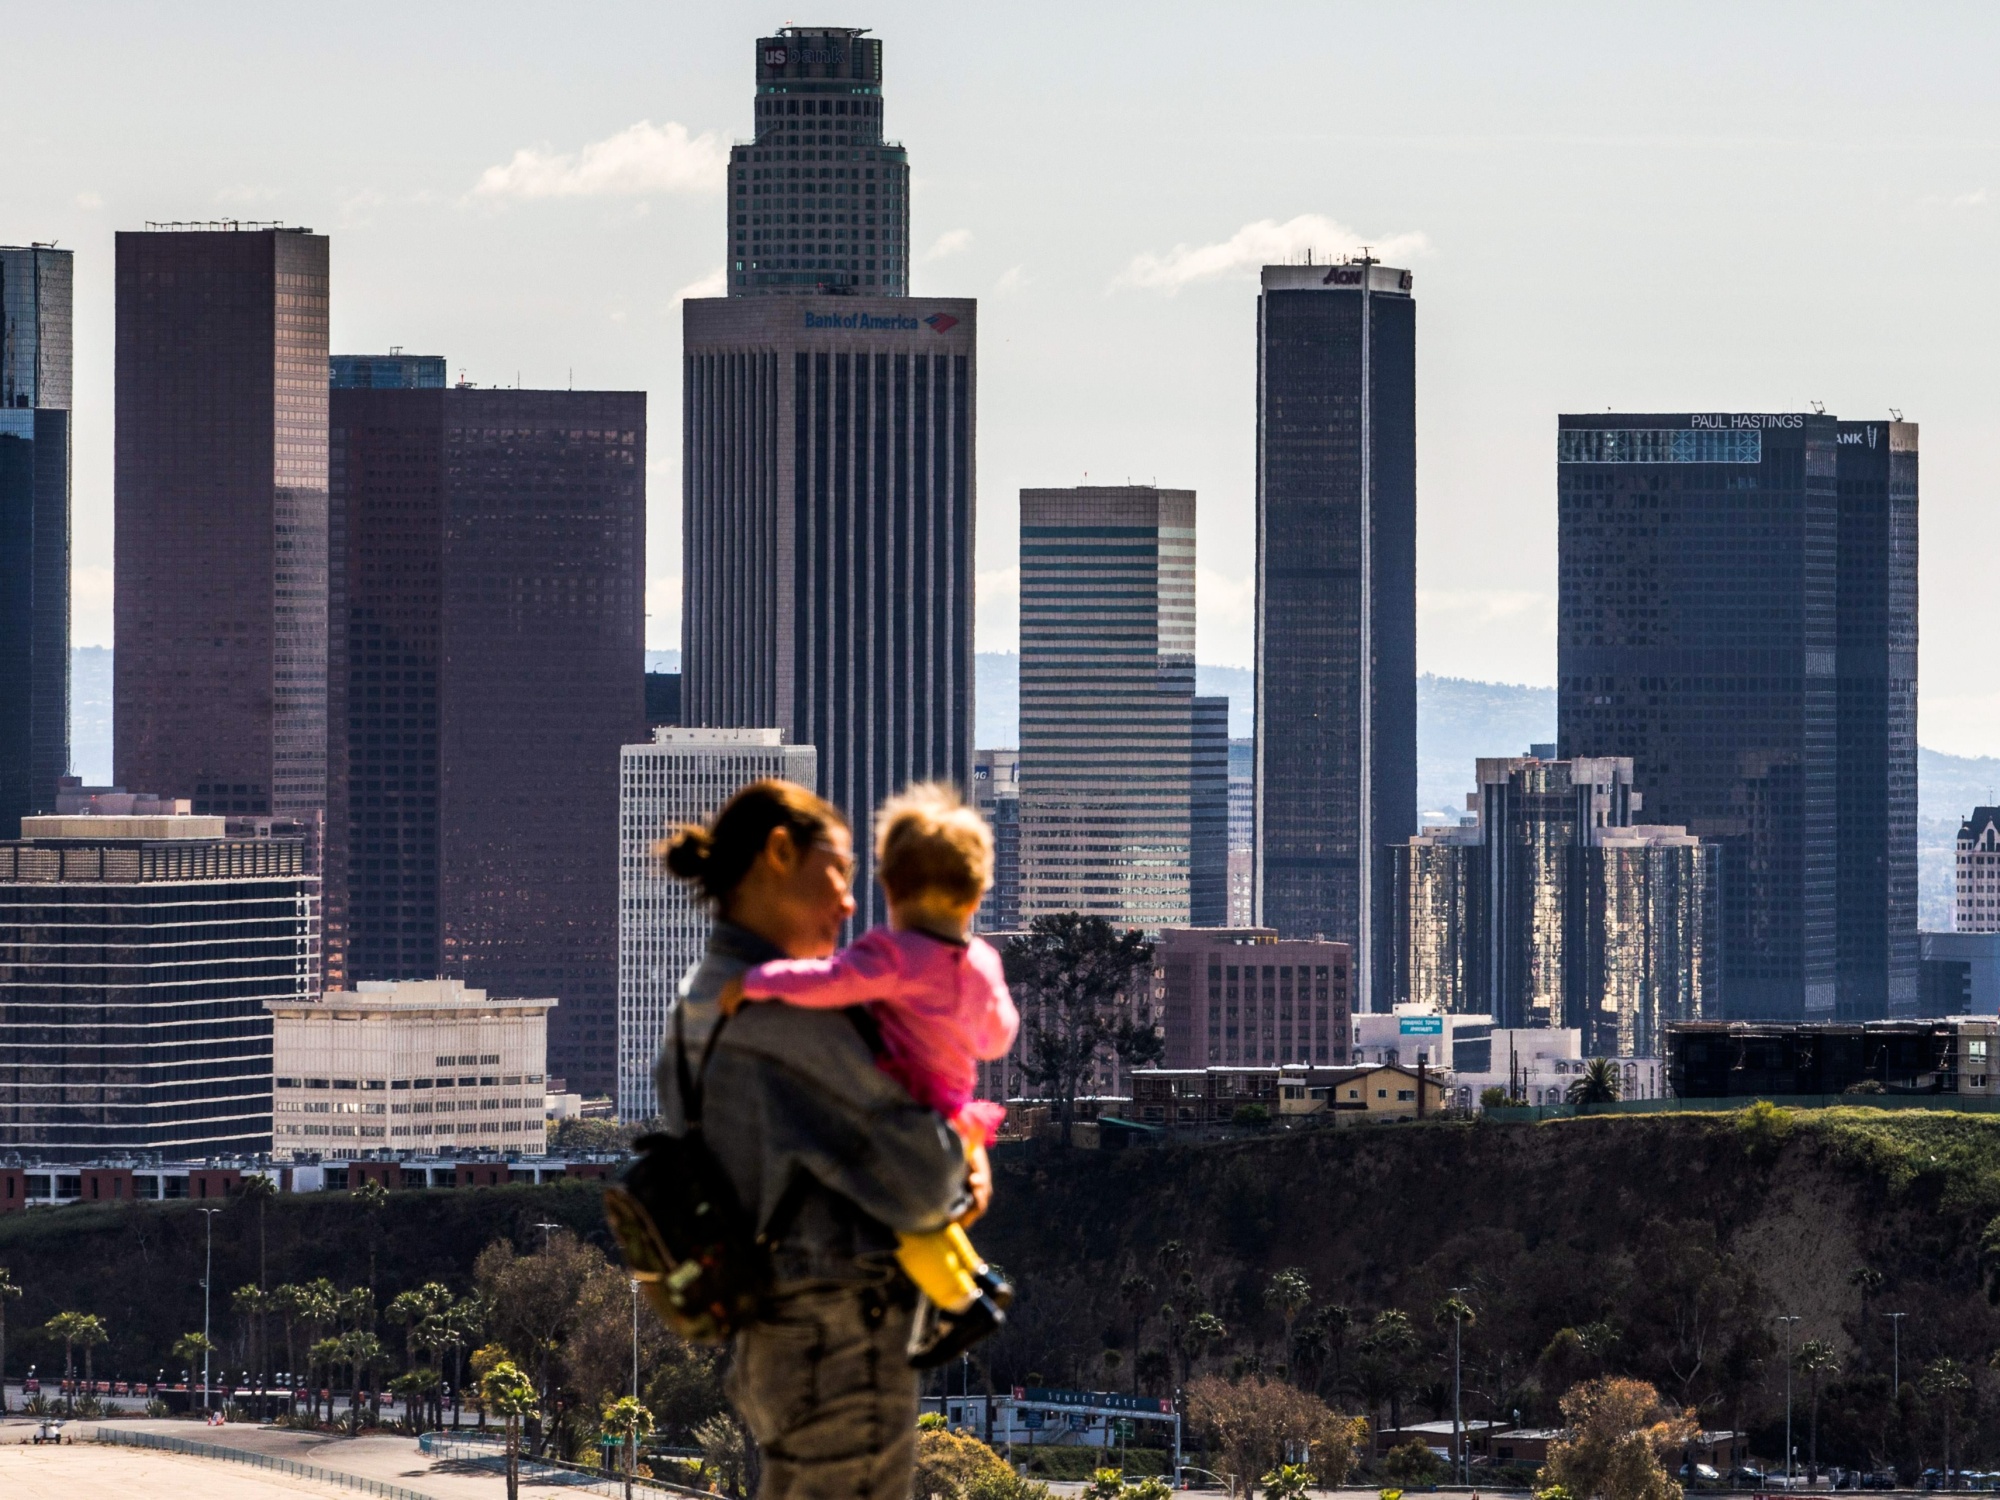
(1336, 599)
(1738, 614)
(827, 454)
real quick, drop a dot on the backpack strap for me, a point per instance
(692, 1089)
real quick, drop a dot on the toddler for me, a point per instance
(940, 1000)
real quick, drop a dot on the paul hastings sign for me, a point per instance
(1726, 421)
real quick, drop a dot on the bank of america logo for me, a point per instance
(941, 322)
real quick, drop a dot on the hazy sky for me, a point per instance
(1671, 208)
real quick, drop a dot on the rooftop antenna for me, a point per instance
(1819, 407)
(1896, 412)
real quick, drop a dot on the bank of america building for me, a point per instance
(1737, 613)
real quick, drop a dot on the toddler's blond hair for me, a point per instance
(927, 840)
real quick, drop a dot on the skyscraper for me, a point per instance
(1737, 614)
(487, 665)
(168, 1049)
(679, 776)
(818, 201)
(1124, 772)
(1336, 599)
(394, 371)
(827, 519)
(996, 792)
(35, 363)
(219, 481)
(1552, 908)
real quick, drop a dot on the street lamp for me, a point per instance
(545, 1228)
(1457, 1352)
(207, 1275)
(1895, 1356)
(1788, 1322)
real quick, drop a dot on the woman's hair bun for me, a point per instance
(687, 851)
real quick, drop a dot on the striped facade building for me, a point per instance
(1116, 774)
(682, 776)
(827, 476)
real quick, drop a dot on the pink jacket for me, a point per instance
(943, 1007)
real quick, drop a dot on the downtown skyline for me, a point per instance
(1110, 353)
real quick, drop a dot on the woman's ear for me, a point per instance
(781, 851)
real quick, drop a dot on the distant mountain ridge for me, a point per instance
(1458, 720)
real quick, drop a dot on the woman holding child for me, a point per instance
(849, 1132)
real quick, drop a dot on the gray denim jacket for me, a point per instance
(829, 1152)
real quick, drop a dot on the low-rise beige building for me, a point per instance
(408, 1065)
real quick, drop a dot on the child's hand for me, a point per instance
(731, 999)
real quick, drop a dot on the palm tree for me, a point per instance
(189, 1349)
(90, 1332)
(1944, 1384)
(8, 1288)
(260, 1190)
(1290, 1293)
(1136, 1292)
(509, 1394)
(373, 1198)
(413, 1309)
(1598, 1083)
(69, 1327)
(1815, 1357)
(324, 1357)
(1388, 1343)
(631, 1422)
(251, 1303)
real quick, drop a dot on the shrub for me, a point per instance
(1763, 1129)
(950, 1464)
(1287, 1482)
(1250, 1114)
(1413, 1464)
(1494, 1097)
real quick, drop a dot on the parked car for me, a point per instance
(1700, 1474)
(1747, 1475)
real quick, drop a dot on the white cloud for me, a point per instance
(89, 200)
(949, 243)
(640, 160)
(1488, 634)
(1225, 618)
(1263, 243)
(1972, 199)
(996, 613)
(663, 613)
(89, 605)
(714, 284)
(1011, 280)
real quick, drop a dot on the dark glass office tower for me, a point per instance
(487, 664)
(394, 371)
(219, 483)
(819, 201)
(1737, 614)
(1876, 686)
(827, 521)
(168, 1048)
(1336, 600)
(35, 364)
(1208, 869)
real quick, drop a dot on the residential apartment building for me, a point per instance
(1976, 873)
(1553, 908)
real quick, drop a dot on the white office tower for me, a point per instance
(683, 776)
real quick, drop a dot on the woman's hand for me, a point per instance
(978, 1182)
